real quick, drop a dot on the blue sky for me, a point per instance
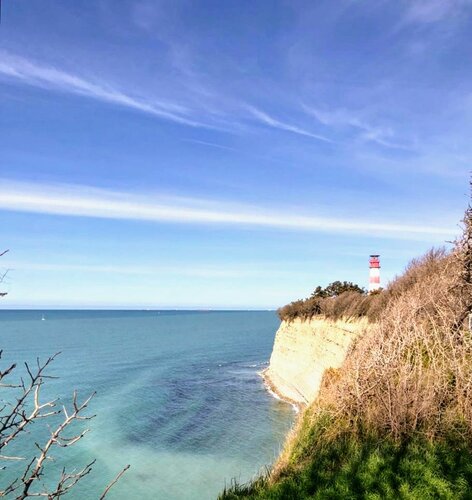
(226, 154)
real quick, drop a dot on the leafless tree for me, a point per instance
(17, 414)
(3, 274)
(21, 406)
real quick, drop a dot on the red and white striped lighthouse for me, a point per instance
(374, 273)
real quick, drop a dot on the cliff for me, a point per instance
(303, 350)
(395, 419)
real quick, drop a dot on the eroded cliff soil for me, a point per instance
(303, 350)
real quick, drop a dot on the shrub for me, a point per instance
(337, 288)
(349, 304)
(347, 300)
(395, 421)
(412, 371)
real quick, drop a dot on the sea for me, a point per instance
(179, 397)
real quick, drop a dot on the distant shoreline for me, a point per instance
(136, 309)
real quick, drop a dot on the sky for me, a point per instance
(226, 154)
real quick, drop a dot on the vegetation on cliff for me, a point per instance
(348, 305)
(396, 420)
(338, 299)
(348, 301)
(353, 468)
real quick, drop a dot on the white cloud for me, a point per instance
(334, 117)
(83, 201)
(431, 11)
(203, 270)
(210, 144)
(27, 72)
(43, 76)
(180, 270)
(367, 132)
(266, 119)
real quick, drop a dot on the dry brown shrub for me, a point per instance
(376, 305)
(351, 305)
(305, 309)
(412, 371)
(348, 305)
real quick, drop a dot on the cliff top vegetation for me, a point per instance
(349, 301)
(395, 421)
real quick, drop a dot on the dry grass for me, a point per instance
(352, 305)
(348, 305)
(409, 377)
(412, 371)
(404, 388)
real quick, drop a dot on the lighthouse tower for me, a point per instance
(374, 273)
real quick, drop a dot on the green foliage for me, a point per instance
(336, 288)
(350, 468)
(397, 422)
(347, 300)
(339, 299)
(347, 305)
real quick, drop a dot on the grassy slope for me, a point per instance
(325, 466)
(370, 469)
(415, 378)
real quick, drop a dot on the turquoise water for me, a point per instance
(178, 396)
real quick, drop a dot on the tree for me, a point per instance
(319, 292)
(464, 254)
(4, 274)
(336, 288)
(21, 407)
(19, 412)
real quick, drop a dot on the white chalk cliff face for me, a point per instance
(303, 350)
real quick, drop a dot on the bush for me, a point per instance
(395, 421)
(351, 468)
(347, 300)
(349, 304)
(337, 288)
(412, 372)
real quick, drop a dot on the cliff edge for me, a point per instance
(303, 350)
(395, 418)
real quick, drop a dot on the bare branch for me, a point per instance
(5, 457)
(16, 416)
(55, 439)
(117, 478)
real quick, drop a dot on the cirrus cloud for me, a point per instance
(85, 201)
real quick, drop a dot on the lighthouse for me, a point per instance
(374, 273)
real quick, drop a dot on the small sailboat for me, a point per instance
(43, 318)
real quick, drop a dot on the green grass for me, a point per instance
(349, 468)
